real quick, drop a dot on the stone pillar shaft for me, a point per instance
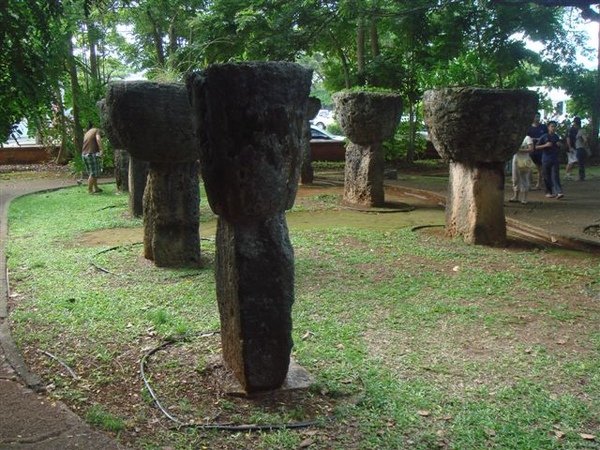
(172, 215)
(474, 208)
(363, 179)
(121, 169)
(255, 292)
(138, 174)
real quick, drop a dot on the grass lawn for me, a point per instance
(415, 340)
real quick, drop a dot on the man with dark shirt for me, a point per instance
(536, 131)
(550, 165)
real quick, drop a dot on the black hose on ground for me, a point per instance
(211, 426)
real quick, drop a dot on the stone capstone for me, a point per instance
(478, 125)
(250, 123)
(367, 117)
(152, 120)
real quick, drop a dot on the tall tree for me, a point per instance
(587, 13)
(30, 45)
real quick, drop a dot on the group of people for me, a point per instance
(540, 150)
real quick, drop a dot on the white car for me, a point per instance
(323, 119)
(317, 133)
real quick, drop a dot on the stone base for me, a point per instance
(297, 378)
(475, 208)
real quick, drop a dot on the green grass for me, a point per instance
(418, 341)
(103, 419)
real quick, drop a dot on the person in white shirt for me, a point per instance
(522, 166)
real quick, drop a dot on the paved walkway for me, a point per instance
(28, 419)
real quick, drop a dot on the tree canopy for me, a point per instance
(66, 51)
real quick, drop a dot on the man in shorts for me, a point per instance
(91, 154)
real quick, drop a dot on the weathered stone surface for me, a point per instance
(121, 158)
(364, 170)
(367, 117)
(106, 125)
(474, 208)
(251, 122)
(307, 172)
(172, 215)
(478, 125)
(152, 120)
(255, 292)
(477, 130)
(138, 175)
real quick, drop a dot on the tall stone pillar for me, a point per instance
(153, 121)
(367, 119)
(121, 159)
(251, 120)
(120, 156)
(476, 131)
(307, 173)
(137, 176)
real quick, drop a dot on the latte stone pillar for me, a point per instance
(250, 121)
(137, 176)
(477, 131)
(120, 157)
(307, 173)
(153, 121)
(367, 119)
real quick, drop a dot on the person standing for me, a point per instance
(536, 131)
(582, 149)
(571, 146)
(522, 165)
(91, 154)
(550, 164)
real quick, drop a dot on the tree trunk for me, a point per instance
(93, 42)
(63, 152)
(410, 153)
(344, 61)
(374, 39)
(76, 93)
(172, 40)
(360, 52)
(158, 44)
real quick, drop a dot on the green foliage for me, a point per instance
(30, 48)
(396, 148)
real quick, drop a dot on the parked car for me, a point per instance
(325, 146)
(318, 133)
(323, 119)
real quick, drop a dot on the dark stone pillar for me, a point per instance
(368, 119)
(137, 177)
(251, 120)
(476, 131)
(121, 158)
(153, 120)
(171, 215)
(307, 173)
